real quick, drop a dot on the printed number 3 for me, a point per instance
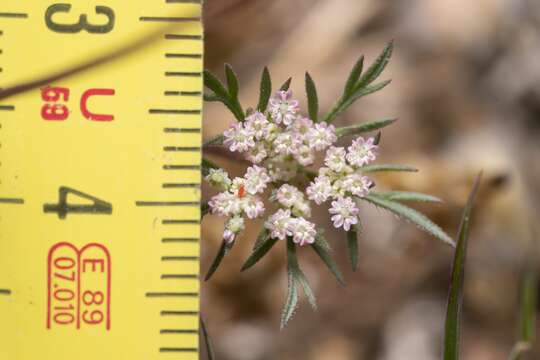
(83, 23)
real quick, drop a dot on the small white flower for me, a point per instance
(256, 179)
(339, 187)
(303, 231)
(288, 195)
(239, 138)
(287, 143)
(225, 204)
(304, 155)
(302, 125)
(357, 184)
(361, 152)
(322, 136)
(320, 189)
(228, 236)
(257, 153)
(345, 213)
(302, 209)
(335, 158)
(253, 207)
(278, 224)
(218, 178)
(238, 187)
(258, 124)
(283, 108)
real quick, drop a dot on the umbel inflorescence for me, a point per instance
(298, 160)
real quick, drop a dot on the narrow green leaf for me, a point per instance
(217, 260)
(352, 247)
(455, 297)
(213, 83)
(206, 165)
(294, 268)
(286, 85)
(410, 214)
(377, 138)
(365, 91)
(354, 76)
(207, 341)
(313, 100)
(527, 311)
(211, 97)
(363, 128)
(259, 253)
(261, 238)
(387, 167)
(265, 90)
(292, 300)
(377, 67)
(232, 81)
(321, 247)
(216, 140)
(407, 196)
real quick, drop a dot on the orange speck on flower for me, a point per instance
(241, 191)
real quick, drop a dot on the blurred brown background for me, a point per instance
(466, 88)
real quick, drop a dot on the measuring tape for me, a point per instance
(100, 179)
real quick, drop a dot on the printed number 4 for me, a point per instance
(98, 206)
(83, 23)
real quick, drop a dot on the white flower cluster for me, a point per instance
(279, 143)
(280, 140)
(239, 198)
(342, 179)
(290, 219)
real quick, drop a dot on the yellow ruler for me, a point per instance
(99, 180)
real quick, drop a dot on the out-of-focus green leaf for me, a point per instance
(265, 90)
(259, 253)
(211, 97)
(407, 196)
(455, 296)
(354, 76)
(321, 247)
(286, 85)
(527, 312)
(217, 140)
(387, 167)
(410, 214)
(232, 81)
(352, 247)
(313, 100)
(207, 341)
(205, 208)
(363, 128)
(217, 260)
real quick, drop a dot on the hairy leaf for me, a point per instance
(286, 85)
(455, 297)
(412, 215)
(220, 93)
(294, 268)
(407, 196)
(259, 253)
(265, 90)
(354, 76)
(363, 128)
(313, 100)
(377, 67)
(292, 300)
(232, 81)
(321, 247)
(387, 167)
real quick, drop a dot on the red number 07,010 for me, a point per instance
(56, 108)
